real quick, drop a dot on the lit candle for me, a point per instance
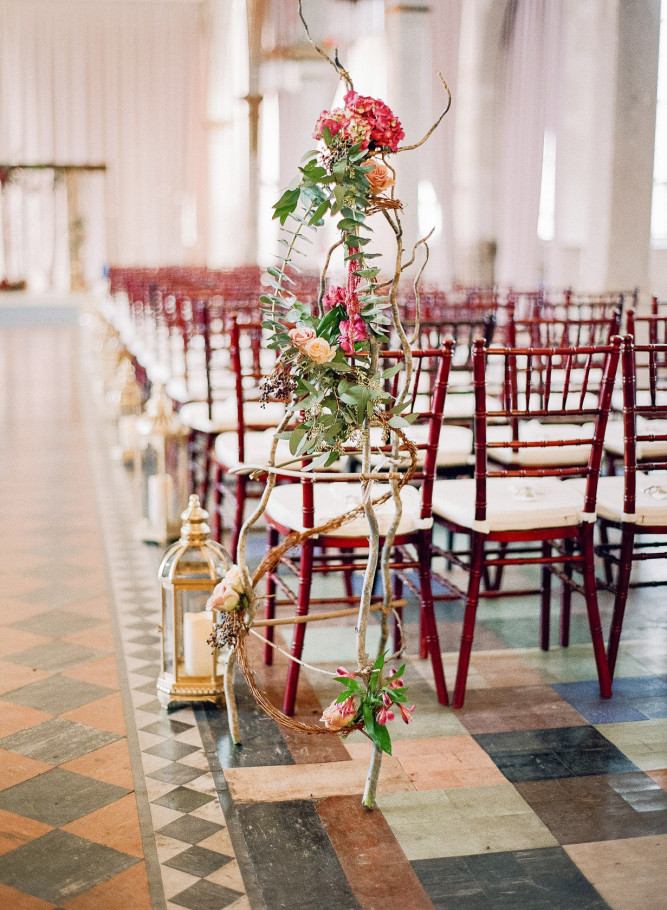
(197, 652)
(160, 496)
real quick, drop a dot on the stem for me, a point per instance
(373, 550)
(324, 275)
(368, 800)
(230, 698)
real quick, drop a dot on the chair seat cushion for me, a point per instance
(650, 498)
(613, 440)
(194, 414)
(455, 446)
(521, 504)
(534, 431)
(256, 446)
(332, 499)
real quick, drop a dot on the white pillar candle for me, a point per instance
(197, 652)
(160, 496)
(127, 432)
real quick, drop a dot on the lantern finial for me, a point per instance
(194, 528)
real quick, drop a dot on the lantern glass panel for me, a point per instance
(168, 629)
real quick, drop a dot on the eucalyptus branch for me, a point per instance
(407, 148)
(337, 65)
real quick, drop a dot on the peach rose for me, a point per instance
(300, 335)
(337, 716)
(380, 178)
(224, 597)
(319, 350)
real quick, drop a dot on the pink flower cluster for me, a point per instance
(338, 296)
(351, 330)
(365, 120)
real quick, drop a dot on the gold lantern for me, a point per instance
(190, 569)
(161, 469)
(127, 400)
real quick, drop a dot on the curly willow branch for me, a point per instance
(337, 65)
(408, 148)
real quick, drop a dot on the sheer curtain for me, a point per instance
(533, 35)
(120, 83)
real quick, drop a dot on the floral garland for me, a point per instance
(325, 368)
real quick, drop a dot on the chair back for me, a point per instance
(644, 419)
(544, 387)
(422, 426)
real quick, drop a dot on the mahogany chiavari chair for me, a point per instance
(316, 499)
(530, 506)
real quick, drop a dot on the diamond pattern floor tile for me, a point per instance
(58, 865)
(56, 694)
(56, 741)
(58, 797)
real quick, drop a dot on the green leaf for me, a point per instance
(350, 683)
(392, 371)
(296, 437)
(398, 421)
(383, 738)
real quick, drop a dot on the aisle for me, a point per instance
(94, 807)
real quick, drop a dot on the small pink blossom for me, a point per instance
(386, 700)
(395, 682)
(406, 713)
(341, 671)
(384, 715)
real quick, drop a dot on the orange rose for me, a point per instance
(380, 178)
(300, 335)
(319, 350)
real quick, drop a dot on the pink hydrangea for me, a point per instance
(351, 330)
(364, 120)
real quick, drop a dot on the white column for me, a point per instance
(634, 131)
(409, 95)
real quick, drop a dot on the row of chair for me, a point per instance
(542, 428)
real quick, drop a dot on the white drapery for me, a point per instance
(118, 83)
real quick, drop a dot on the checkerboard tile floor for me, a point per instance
(536, 794)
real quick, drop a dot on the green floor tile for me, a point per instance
(643, 742)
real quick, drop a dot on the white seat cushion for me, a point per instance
(650, 498)
(194, 414)
(512, 505)
(534, 431)
(257, 449)
(613, 440)
(455, 445)
(332, 499)
(461, 405)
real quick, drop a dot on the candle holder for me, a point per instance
(191, 669)
(161, 469)
(127, 401)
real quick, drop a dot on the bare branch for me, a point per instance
(407, 148)
(337, 65)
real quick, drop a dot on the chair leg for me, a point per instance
(270, 599)
(476, 567)
(566, 596)
(427, 618)
(217, 498)
(622, 585)
(606, 557)
(398, 612)
(346, 558)
(305, 582)
(590, 588)
(545, 598)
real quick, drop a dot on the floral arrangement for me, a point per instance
(325, 369)
(328, 377)
(369, 704)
